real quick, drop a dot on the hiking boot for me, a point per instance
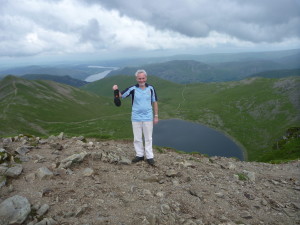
(150, 162)
(117, 100)
(137, 159)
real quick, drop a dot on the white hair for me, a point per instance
(140, 71)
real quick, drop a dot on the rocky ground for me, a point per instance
(69, 181)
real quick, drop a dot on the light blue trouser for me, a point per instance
(140, 129)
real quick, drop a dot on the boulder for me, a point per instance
(14, 210)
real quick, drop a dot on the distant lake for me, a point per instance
(193, 137)
(99, 76)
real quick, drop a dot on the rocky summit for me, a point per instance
(63, 180)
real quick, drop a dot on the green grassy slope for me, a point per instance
(60, 79)
(46, 107)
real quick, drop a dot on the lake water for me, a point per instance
(193, 137)
(99, 76)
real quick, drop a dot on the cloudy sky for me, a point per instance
(32, 29)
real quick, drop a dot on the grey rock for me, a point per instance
(3, 155)
(44, 172)
(22, 150)
(57, 146)
(250, 175)
(61, 136)
(172, 173)
(67, 162)
(87, 172)
(14, 210)
(2, 181)
(14, 171)
(7, 141)
(3, 169)
(96, 155)
(43, 141)
(43, 209)
(30, 177)
(220, 194)
(245, 215)
(125, 161)
(231, 166)
(165, 208)
(151, 178)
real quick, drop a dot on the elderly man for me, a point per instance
(144, 102)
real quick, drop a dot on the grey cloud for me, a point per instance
(248, 20)
(92, 33)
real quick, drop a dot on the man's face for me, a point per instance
(141, 79)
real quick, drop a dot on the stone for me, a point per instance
(14, 171)
(30, 177)
(250, 175)
(172, 173)
(165, 209)
(14, 210)
(3, 169)
(125, 161)
(160, 194)
(22, 150)
(42, 210)
(2, 181)
(3, 155)
(61, 136)
(87, 172)
(231, 166)
(57, 146)
(44, 172)
(67, 162)
(245, 215)
(219, 194)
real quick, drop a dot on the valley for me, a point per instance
(253, 112)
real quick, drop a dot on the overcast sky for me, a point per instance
(116, 28)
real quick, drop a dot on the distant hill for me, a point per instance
(60, 79)
(277, 73)
(75, 71)
(190, 71)
(222, 66)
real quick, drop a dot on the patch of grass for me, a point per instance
(242, 176)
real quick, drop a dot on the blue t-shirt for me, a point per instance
(142, 100)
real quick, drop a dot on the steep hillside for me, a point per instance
(42, 107)
(60, 79)
(61, 180)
